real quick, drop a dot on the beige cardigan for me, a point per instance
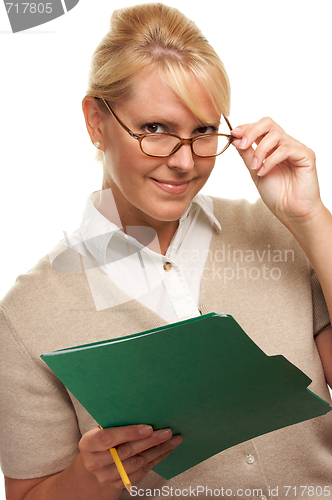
(254, 271)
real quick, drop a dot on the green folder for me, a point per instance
(204, 378)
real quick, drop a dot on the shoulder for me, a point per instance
(242, 210)
(36, 307)
(249, 220)
(55, 276)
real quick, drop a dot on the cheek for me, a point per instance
(128, 167)
(118, 163)
(120, 148)
(205, 167)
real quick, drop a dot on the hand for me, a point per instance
(283, 170)
(139, 448)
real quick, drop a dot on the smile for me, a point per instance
(172, 187)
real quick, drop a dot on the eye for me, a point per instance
(154, 128)
(206, 129)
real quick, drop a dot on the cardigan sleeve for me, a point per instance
(321, 318)
(39, 433)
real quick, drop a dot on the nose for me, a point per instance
(182, 160)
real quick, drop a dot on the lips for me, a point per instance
(172, 187)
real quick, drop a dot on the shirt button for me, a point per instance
(167, 266)
(250, 459)
(263, 497)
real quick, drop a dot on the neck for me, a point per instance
(156, 237)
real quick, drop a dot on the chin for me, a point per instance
(169, 212)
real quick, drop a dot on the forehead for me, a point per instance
(151, 93)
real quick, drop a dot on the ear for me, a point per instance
(94, 120)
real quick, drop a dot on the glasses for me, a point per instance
(162, 145)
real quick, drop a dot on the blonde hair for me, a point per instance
(150, 37)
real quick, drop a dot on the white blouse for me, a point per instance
(167, 284)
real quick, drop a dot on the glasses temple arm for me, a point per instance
(117, 118)
(228, 123)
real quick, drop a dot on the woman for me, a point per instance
(154, 73)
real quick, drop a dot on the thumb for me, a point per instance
(243, 146)
(247, 154)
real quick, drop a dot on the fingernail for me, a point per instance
(261, 171)
(254, 163)
(175, 440)
(145, 430)
(243, 143)
(165, 434)
(235, 131)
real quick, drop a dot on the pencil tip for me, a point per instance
(128, 487)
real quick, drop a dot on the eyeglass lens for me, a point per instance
(164, 145)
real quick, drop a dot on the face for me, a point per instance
(155, 191)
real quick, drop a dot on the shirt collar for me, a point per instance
(96, 230)
(206, 204)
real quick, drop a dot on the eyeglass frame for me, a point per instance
(189, 142)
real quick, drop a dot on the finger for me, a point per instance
(137, 475)
(239, 131)
(293, 155)
(142, 460)
(268, 144)
(246, 155)
(134, 447)
(100, 459)
(140, 463)
(145, 461)
(103, 439)
(254, 132)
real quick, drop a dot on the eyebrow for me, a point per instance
(216, 124)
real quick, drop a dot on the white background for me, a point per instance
(278, 57)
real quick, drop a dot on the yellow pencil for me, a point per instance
(121, 469)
